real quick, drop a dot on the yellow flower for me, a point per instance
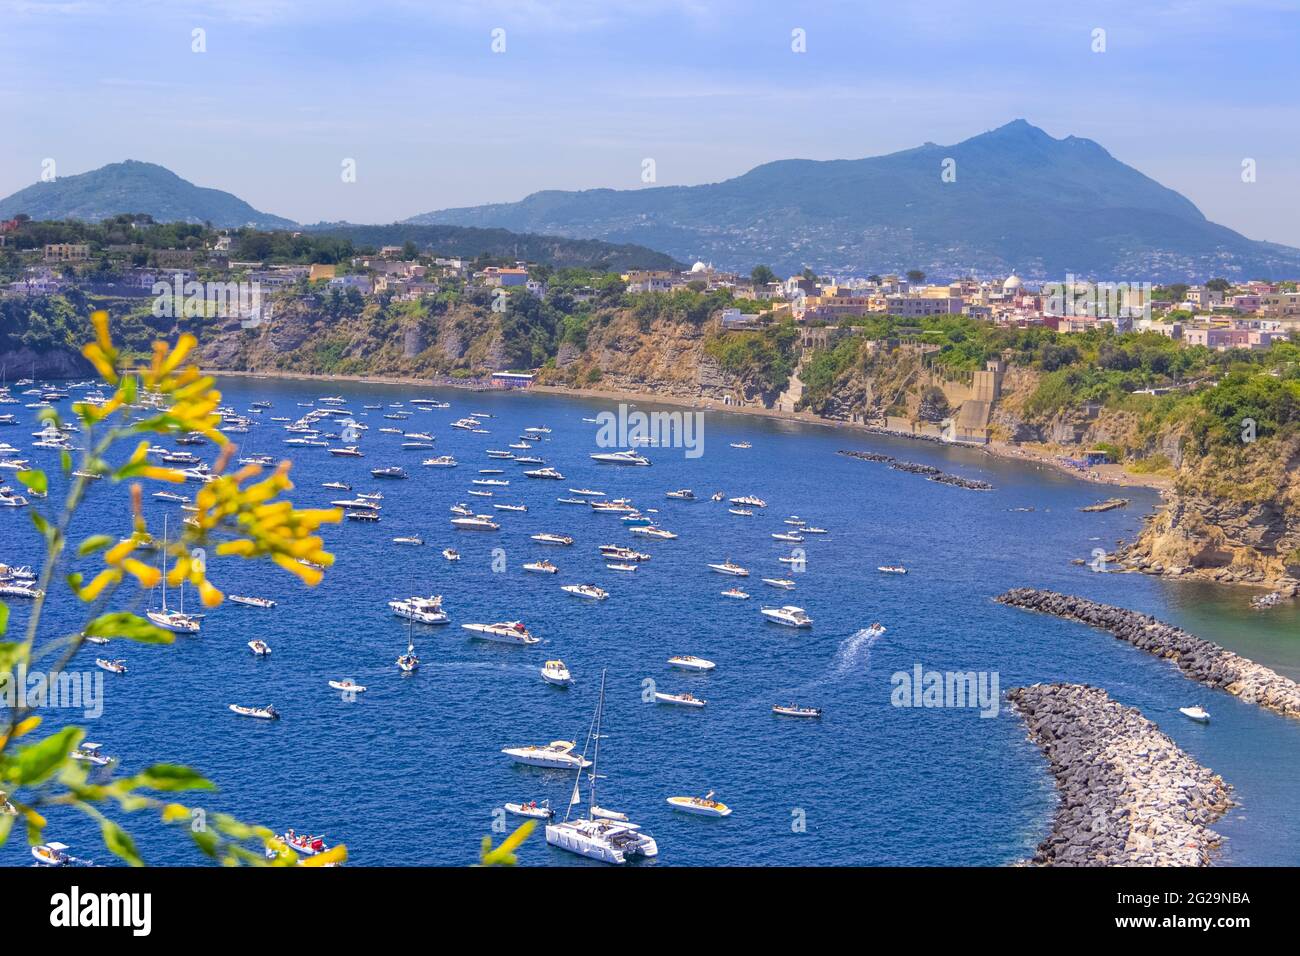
(101, 352)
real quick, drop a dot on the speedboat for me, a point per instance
(515, 508)
(541, 567)
(557, 754)
(351, 687)
(687, 662)
(789, 615)
(892, 569)
(532, 809)
(547, 538)
(653, 532)
(490, 482)
(682, 494)
(1198, 714)
(586, 591)
(554, 672)
(727, 567)
(348, 451)
(475, 523)
(621, 553)
(441, 461)
(621, 458)
(90, 753)
(749, 501)
(810, 529)
(736, 593)
(117, 666)
(251, 601)
(303, 845)
(260, 647)
(787, 536)
(460, 508)
(742, 512)
(337, 486)
(391, 472)
(587, 492)
(262, 713)
(451, 554)
(794, 710)
(410, 539)
(361, 515)
(422, 610)
(784, 583)
(741, 444)
(504, 632)
(55, 854)
(704, 806)
(679, 700)
(544, 473)
(621, 567)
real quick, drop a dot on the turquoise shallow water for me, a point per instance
(411, 773)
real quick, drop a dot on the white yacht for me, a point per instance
(687, 662)
(422, 610)
(682, 494)
(589, 591)
(621, 458)
(548, 538)
(736, 593)
(541, 567)
(787, 536)
(783, 583)
(749, 501)
(789, 615)
(475, 523)
(651, 531)
(685, 699)
(441, 461)
(504, 632)
(557, 754)
(727, 567)
(1196, 713)
(544, 473)
(601, 835)
(555, 672)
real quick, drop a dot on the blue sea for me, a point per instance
(411, 771)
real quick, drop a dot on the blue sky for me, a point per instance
(587, 89)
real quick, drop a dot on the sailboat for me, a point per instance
(598, 836)
(178, 622)
(408, 662)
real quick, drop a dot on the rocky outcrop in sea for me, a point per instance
(1128, 795)
(916, 468)
(1196, 657)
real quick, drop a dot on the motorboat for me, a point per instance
(810, 529)
(116, 666)
(548, 538)
(92, 754)
(892, 569)
(589, 591)
(789, 615)
(480, 494)
(56, 854)
(554, 672)
(617, 506)
(490, 482)
(787, 536)
(1197, 713)
(541, 567)
(621, 567)
(337, 486)
(545, 473)
(603, 835)
(348, 686)
(794, 710)
(685, 699)
(451, 554)
(749, 501)
(390, 472)
(728, 567)
(347, 451)
(518, 509)
(262, 713)
(409, 539)
(651, 531)
(741, 512)
(704, 806)
(783, 583)
(587, 492)
(422, 610)
(621, 458)
(532, 810)
(682, 494)
(741, 444)
(736, 593)
(620, 553)
(260, 647)
(462, 509)
(441, 461)
(301, 844)
(361, 515)
(247, 601)
(475, 523)
(558, 754)
(500, 453)
(503, 632)
(688, 662)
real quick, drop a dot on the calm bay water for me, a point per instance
(410, 773)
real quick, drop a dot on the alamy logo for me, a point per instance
(81, 690)
(923, 688)
(74, 908)
(624, 428)
(1097, 300)
(178, 299)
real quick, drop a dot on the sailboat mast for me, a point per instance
(595, 754)
(162, 564)
(577, 779)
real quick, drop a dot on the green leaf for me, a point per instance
(206, 841)
(170, 776)
(130, 626)
(11, 653)
(34, 480)
(43, 526)
(119, 842)
(6, 823)
(37, 762)
(96, 542)
(4, 618)
(65, 461)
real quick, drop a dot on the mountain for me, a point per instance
(135, 187)
(470, 242)
(1021, 200)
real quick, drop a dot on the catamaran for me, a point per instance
(598, 836)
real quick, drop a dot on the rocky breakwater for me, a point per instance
(1196, 657)
(1128, 795)
(916, 468)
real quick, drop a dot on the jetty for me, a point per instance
(1196, 657)
(1110, 504)
(916, 468)
(1129, 796)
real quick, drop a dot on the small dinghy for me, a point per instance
(600, 813)
(541, 567)
(262, 713)
(784, 583)
(411, 540)
(892, 569)
(348, 686)
(117, 666)
(531, 809)
(705, 806)
(1198, 714)
(451, 554)
(264, 603)
(794, 710)
(260, 647)
(621, 567)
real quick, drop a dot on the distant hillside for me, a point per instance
(135, 187)
(471, 242)
(1021, 200)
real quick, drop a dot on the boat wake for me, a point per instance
(854, 653)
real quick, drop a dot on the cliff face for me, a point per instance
(1234, 517)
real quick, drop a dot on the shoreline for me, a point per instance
(1113, 475)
